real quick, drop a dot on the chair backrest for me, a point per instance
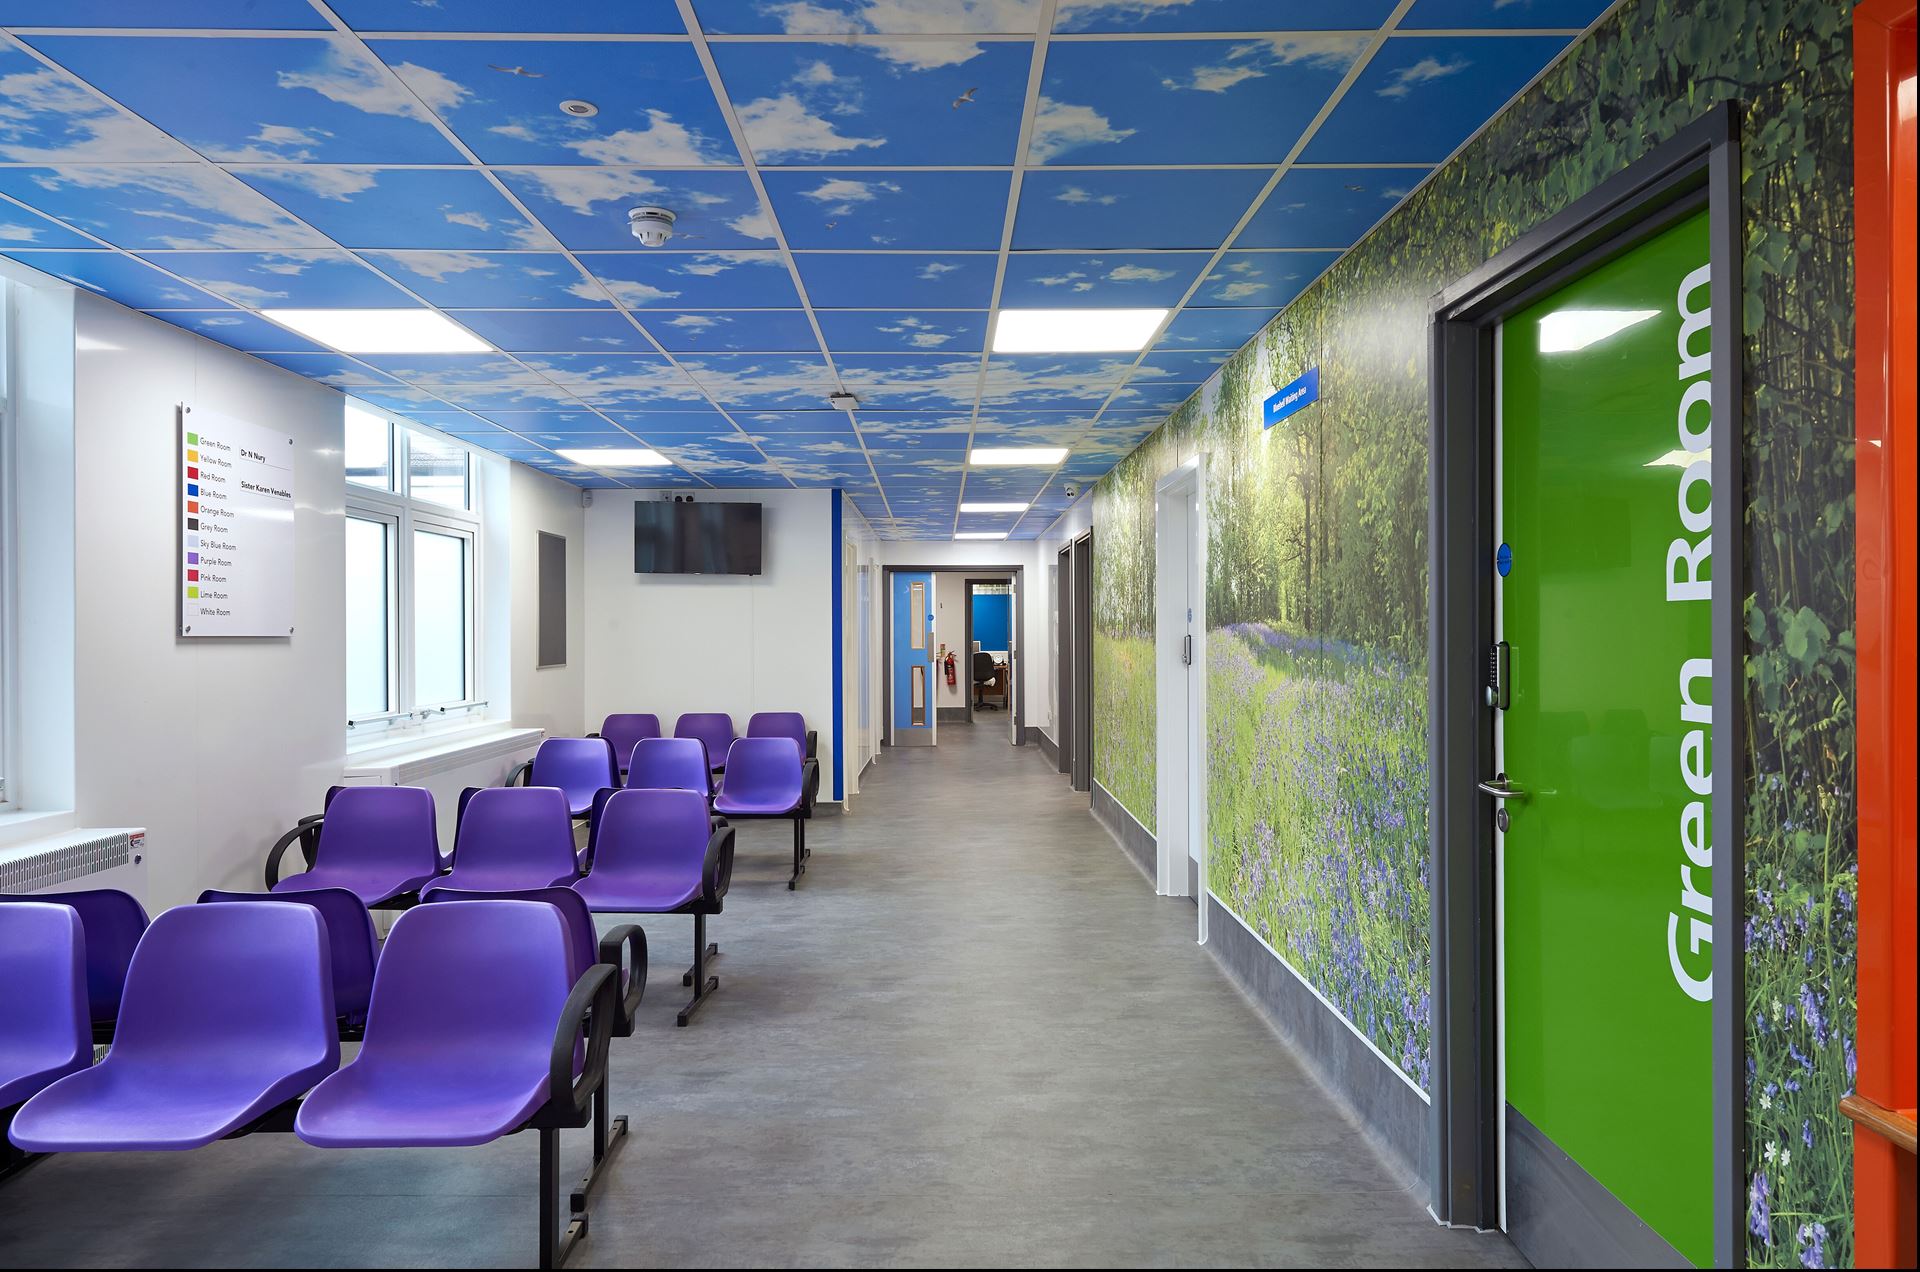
(352, 946)
(113, 923)
(583, 937)
(514, 837)
(577, 766)
(715, 728)
(779, 724)
(246, 983)
(622, 731)
(380, 826)
(982, 665)
(671, 764)
(649, 832)
(763, 771)
(43, 995)
(471, 982)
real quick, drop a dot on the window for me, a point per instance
(412, 538)
(7, 503)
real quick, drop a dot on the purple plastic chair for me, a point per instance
(580, 767)
(784, 724)
(622, 731)
(671, 764)
(352, 946)
(715, 728)
(511, 838)
(378, 842)
(113, 923)
(660, 853)
(228, 1015)
(44, 1025)
(766, 778)
(590, 946)
(471, 1037)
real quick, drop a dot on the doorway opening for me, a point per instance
(929, 667)
(987, 658)
(1180, 679)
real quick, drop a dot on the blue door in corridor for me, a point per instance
(912, 688)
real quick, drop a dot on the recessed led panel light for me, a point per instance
(380, 330)
(981, 534)
(616, 457)
(1075, 330)
(1007, 456)
(994, 507)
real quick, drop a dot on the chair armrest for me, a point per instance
(634, 939)
(520, 775)
(590, 1009)
(809, 786)
(716, 872)
(813, 744)
(307, 831)
(593, 735)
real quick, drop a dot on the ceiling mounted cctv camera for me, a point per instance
(651, 225)
(1073, 491)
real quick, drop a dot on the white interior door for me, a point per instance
(1175, 643)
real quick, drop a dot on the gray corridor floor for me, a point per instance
(973, 1036)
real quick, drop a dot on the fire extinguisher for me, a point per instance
(952, 671)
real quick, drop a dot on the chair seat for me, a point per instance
(371, 886)
(28, 1064)
(370, 1105)
(750, 806)
(495, 877)
(157, 1108)
(638, 892)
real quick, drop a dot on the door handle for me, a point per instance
(1501, 788)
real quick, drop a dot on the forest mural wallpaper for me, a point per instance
(1317, 571)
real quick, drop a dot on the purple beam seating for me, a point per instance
(352, 947)
(45, 1030)
(622, 730)
(785, 724)
(589, 945)
(472, 1036)
(228, 1016)
(661, 764)
(660, 853)
(511, 838)
(580, 767)
(113, 923)
(378, 842)
(715, 728)
(766, 778)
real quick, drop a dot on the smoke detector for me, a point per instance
(652, 226)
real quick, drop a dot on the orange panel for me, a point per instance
(1884, 177)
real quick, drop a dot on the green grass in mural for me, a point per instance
(1317, 820)
(1124, 742)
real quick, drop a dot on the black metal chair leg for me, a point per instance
(703, 984)
(609, 1133)
(556, 1242)
(713, 952)
(799, 853)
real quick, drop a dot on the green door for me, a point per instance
(1604, 866)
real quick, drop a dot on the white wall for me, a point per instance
(671, 643)
(860, 729)
(550, 698)
(214, 745)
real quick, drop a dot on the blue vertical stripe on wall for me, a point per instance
(839, 671)
(992, 620)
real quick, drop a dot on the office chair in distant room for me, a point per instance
(983, 674)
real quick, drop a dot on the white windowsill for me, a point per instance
(19, 824)
(407, 761)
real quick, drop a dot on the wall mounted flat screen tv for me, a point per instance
(695, 538)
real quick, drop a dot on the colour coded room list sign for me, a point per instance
(236, 528)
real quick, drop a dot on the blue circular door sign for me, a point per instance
(1503, 560)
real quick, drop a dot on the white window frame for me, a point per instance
(403, 514)
(9, 537)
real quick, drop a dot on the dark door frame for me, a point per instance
(1083, 662)
(1063, 662)
(1016, 573)
(1698, 168)
(966, 649)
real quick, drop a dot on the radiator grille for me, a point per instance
(31, 867)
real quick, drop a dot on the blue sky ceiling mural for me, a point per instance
(859, 186)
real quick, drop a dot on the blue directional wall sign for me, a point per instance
(1303, 392)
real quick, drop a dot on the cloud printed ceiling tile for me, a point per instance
(298, 99)
(695, 280)
(899, 209)
(436, 208)
(255, 15)
(492, 280)
(889, 330)
(1327, 207)
(600, 17)
(636, 382)
(22, 228)
(1105, 16)
(863, 17)
(815, 423)
(173, 205)
(651, 424)
(733, 331)
(458, 423)
(502, 98)
(1152, 394)
(240, 330)
(1261, 278)
(120, 278)
(1059, 382)
(330, 368)
(431, 369)
(546, 331)
(1185, 101)
(842, 280)
(1053, 280)
(1105, 211)
(1184, 366)
(893, 104)
(287, 280)
(1464, 15)
(542, 426)
(1420, 97)
(763, 383)
(586, 207)
(1214, 328)
(901, 382)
